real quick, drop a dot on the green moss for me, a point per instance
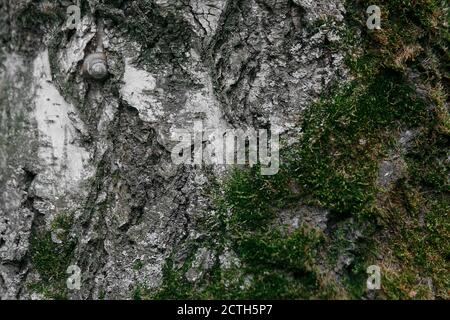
(174, 286)
(417, 234)
(138, 265)
(102, 295)
(413, 235)
(409, 29)
(275, 266)
(140, 292)
(51, 259)
(403, 228)
(345, 136)
(331, 168)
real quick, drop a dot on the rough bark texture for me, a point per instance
(86, 175)
(100, 151)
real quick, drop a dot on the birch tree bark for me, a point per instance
(96, 154)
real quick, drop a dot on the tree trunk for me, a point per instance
(87, 162)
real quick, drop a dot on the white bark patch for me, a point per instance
(64, 162)
(138, 92)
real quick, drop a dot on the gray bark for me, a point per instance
(100, 150)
